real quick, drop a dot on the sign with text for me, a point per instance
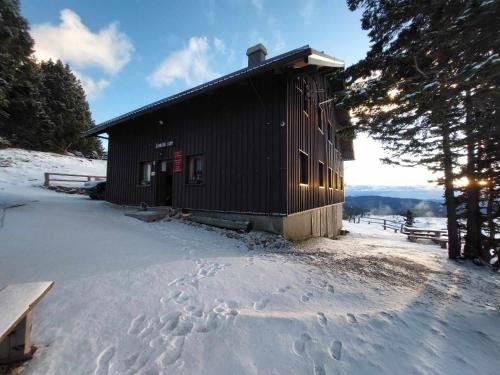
(177, 167)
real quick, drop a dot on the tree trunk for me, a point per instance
(449, 195)
(472, 248)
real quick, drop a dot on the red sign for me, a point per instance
(177, 161)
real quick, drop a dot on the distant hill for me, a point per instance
(379, 205)
(415, 192)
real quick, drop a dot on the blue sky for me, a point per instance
(130, 53)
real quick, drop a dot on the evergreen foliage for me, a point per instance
(428, 89)
(42, 105)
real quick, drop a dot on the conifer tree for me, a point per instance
(66, 106)
(16, 46)
(410, 90)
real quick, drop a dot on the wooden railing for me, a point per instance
(80, 178)
(386, 223)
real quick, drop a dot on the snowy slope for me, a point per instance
(23, 168)
(173, 298)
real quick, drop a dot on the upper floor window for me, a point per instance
(195, 167)
(330, 132)
(330, 178)
(303, 168)
(321, 174)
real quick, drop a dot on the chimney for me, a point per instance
(256, 55)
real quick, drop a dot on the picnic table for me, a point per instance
(438, 236)
(16, 306)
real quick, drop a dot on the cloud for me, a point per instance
(75, 44)
(190, 64)
(91, 86)
(278, 41)
(258, 4)
(307, 10)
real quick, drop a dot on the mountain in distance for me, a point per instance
(378, 205)
(413, 192)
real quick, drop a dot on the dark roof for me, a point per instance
(279, 61)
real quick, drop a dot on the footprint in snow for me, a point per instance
(351, 318)
(136, 324)
(335, 350)
(330, 288)
(172, 352)
(261, 304)
(306, 297)
(322, 319)
(307, 280)
(103, 361)
(299, 345)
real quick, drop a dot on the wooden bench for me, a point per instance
(442, 241)
(16, 305)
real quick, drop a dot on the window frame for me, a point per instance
(336, 180)
(302, 155)
(142, 182)
(321, 174)
(330, 178)
(319, 113)
(195, 181)
(329, 135)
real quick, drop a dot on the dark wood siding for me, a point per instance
(305, 90)
(239, 130)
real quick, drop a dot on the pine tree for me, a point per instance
(16, 46)
(66, 106)
(414, 83)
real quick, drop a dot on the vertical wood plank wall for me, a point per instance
(304, 135)
(239, 131)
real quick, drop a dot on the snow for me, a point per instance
(21, 169)
(179, 298)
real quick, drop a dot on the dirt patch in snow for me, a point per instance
(395, 271)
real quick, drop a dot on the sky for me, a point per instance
(129, 53)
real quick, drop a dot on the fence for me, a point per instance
(79, 178)
(386, 223)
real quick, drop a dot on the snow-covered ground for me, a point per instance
(21, 169)
(176, 298)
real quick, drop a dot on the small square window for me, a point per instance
(321, 174)
(330, 178)
(145, 173)
(303, 166)
(195, 170)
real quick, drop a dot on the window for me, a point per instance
(330, 132)
(320, 118)
(336, 180)
(303, 172)
(321, 174)
(330, 178)
(195, 170)
(145, 173)
(341, 183)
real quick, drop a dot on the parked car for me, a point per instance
(95, 189)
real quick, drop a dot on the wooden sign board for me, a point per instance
(177, 167)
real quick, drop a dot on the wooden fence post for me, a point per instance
(385, 227)
(47, 179)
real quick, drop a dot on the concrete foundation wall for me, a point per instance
(318, 222)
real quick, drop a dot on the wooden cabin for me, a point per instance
(258, 144)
